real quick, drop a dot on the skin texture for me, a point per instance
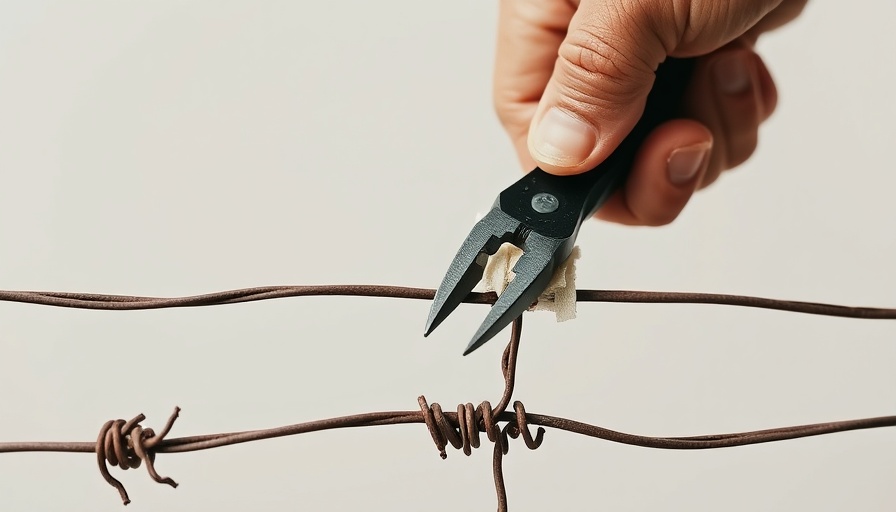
(588, 66)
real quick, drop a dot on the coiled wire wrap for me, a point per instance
(126, 444)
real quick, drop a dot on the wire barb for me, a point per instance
(127, 444)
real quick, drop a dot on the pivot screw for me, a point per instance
(545, 203)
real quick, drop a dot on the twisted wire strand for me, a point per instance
(128, 302)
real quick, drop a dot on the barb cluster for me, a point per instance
(126, 444)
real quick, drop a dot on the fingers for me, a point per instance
(667, 170)
(731, 93)
(605, 69)
(597, 90)
(529, 35)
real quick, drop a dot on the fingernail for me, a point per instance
(562, 140)
(684, 163)
(732, 73)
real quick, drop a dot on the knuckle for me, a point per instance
(601, 68)
(594, 53)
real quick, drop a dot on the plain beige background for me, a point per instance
(174, 148)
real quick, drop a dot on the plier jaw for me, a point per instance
(541, 214)
(532, 272)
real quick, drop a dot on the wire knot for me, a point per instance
(127, 444)
(463, 432)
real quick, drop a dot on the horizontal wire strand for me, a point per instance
(127, 302)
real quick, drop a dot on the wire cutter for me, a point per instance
(541, 214)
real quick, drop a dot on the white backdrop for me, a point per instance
(174, 148)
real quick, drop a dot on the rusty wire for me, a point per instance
(128, 302)
(128, 445)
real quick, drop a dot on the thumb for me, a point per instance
(603, 73)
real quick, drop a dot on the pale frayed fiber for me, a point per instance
(560, 294)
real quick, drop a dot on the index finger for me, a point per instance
(529, 35)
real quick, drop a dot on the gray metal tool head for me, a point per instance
(532, 273)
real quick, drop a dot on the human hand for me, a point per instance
(572, 77)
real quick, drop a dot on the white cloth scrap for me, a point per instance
(559, 296)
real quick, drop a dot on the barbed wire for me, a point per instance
(128, 445)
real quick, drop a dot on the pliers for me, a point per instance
(541, 214)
